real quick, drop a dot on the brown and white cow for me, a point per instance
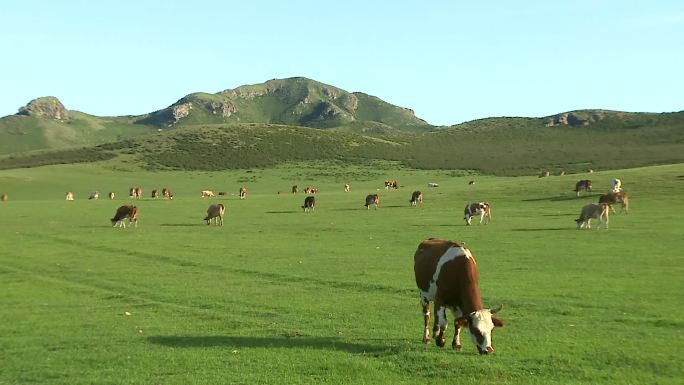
(309, 204)
(391, 183)
(215, 212)
(207, 194)
(295, 189)
(347, 188)
(446, 274)
(136, 192)
(242, 193)
(69, 196)
(417, 198)
(483, 209)
(166, 193)
(373, 199)
(155, 194)
(123, 212)
(111, 195)
(94, 195)
(584, 184)
(616, 197)
(593, 211)
(544, 174)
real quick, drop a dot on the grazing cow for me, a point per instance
(417, 198)
(69, 196)
(560, 173)
(222, 193)
(433, 184)
(309, 204)
(616, 185)
(3, 198)
(94, 195)
(207, 193)
(446, 273)
(616, 197)
(483, 209)
(347, 188)
(310, 190)
(216, 212)
(373, 199)
(593, 211)
(544, 174)
(391, 184)
(155, 194)
(136, 192)
(166, 193)
(243, 192)
(584, 184)
(123, 212)
(472, 182)
(111, 195)
(295, 189)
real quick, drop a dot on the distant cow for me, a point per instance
(616, 197)
(544, 174)
(584, 184)
(295, 189)
(111, 195)
(373, 199)
(242, 193)
(69, 196)
(447, 274)
(222, 193)
(309, 204)
(155, 194)
(123, 212)
(166, 193)
(136, 192)
(207, 193)
(3, 198)
(417, 198)
(483, 209)
(593, 211)
(560, 173)
(616, 185)
(391, 184)
(472, 182)
(94, 195)
(310, 190)
(216, 212)
(347, 188)
(433, 184)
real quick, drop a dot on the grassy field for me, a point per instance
(278, 296)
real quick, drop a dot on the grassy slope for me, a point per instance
(278, 296)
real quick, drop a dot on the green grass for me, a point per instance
(281, 297)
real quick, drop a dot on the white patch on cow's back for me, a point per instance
(449, 255)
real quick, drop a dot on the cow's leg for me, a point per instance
(441, 319)
(425, 304)
(458, 323)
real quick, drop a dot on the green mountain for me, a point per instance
(294, 101)
(299, 120)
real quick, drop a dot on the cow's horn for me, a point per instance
(496, 309)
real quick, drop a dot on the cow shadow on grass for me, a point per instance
(559, 198)
(182, 224)
(237, 342)
(567, 228)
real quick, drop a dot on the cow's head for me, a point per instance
(481, 325)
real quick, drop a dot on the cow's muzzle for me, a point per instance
(485, 351)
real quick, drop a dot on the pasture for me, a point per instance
(279, 296)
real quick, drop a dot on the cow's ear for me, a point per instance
(497, 322)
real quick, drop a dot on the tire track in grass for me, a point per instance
(111, 291)
(360, 287)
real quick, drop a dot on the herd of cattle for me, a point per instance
(445, 272)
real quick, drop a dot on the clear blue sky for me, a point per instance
(449, 61)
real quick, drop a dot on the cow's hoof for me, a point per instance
(440, 342)
(456, 347)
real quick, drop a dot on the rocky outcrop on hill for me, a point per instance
(576, 118)
(48, 107)
(180, 111)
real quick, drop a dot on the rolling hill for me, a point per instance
(300, 119)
